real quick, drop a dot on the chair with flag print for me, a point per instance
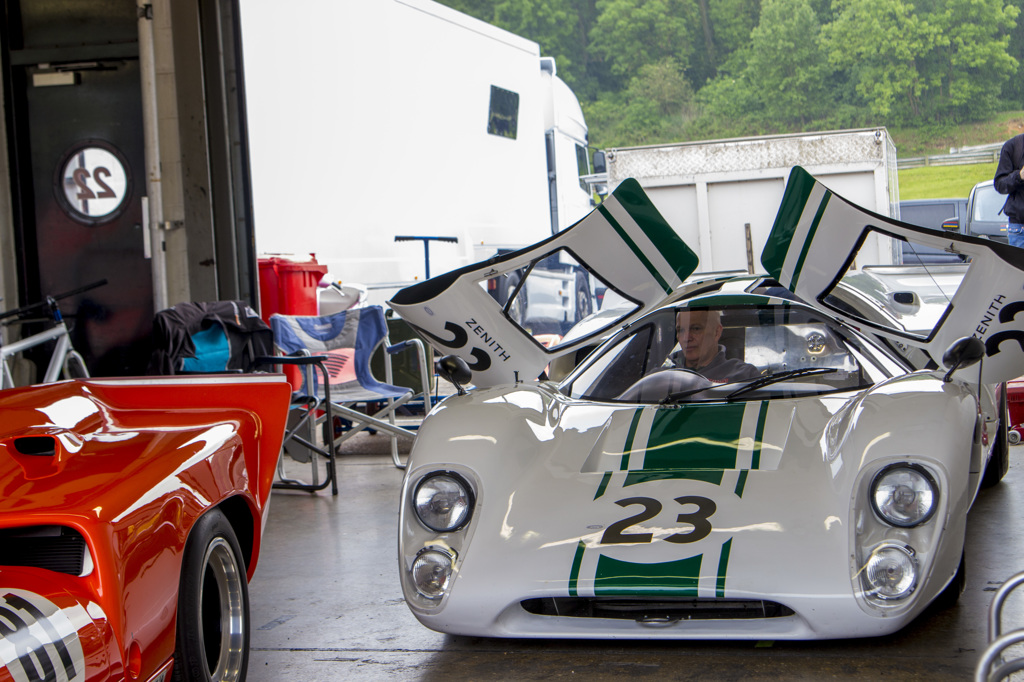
(346, 341)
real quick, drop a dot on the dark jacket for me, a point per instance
(1007, 179)
(248, 336)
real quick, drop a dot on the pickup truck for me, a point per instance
(933, 214)
(984, 216)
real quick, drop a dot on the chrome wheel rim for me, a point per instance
(222, 626)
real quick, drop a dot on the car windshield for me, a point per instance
(697, 354)
(987, 204)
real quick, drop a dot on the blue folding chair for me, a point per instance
(347, 340)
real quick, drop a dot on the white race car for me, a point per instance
(810, 481)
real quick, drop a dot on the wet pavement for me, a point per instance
(327, 605)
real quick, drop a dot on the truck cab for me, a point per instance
(985, 218)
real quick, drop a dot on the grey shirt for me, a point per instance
(721, 369)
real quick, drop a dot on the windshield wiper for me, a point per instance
(775, 378)
(673, 398)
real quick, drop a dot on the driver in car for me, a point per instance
(698, 332)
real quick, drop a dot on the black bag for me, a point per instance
(248, 336)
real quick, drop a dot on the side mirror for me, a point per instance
(951, 224)
(963, 352)
(454, 369)
(599, 162)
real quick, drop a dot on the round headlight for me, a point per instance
(431, 572)
(891, 571)
(904, 495)
(442, 502)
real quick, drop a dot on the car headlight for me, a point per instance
(443, 502)
(432, 571)
(904, 495)
(891, 571)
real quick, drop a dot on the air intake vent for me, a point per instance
(54, 548)
(656, 610)
(42, 446)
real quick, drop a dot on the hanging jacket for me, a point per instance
(248, 336)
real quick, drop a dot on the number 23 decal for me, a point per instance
(615, 535)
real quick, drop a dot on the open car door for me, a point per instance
(819, 240)
(507, 316)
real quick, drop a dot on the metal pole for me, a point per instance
(150, 126)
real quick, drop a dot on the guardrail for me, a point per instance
(988, 154)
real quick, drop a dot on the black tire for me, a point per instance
(950, 595)
(999, 462)
(584, 302)
(213, 605)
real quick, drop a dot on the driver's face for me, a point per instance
(698, 332)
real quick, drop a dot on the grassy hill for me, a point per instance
(950, 181)
(937, 182)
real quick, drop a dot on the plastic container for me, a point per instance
(288, 284)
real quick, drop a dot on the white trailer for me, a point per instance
(385, 119)
(721, 196)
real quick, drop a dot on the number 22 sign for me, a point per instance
(94, 184)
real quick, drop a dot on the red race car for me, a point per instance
(131, 513)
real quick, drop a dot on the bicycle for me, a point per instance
(64, 360)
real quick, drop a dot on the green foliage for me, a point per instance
(631, 33)
(650, 71)
(551, 24)
(881, 42)
(972, 61)
(653, 109)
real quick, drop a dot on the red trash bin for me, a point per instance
(288, 285)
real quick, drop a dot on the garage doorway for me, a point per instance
(74, 108)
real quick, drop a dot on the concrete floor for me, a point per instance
(327, 605)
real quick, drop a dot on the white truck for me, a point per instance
(398, 139)
(721, 196)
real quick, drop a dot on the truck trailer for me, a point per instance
(721, 196)
(400, 138)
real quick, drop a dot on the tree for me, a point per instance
(550, 23)
(971, 62)
(788, 64)
(653, 109)
(779, 81)
(881, 44)
(631, 33)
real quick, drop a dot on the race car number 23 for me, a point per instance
(700, 526)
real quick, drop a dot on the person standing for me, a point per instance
(1009, 180)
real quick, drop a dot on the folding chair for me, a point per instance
(347, 341)
(300, 434)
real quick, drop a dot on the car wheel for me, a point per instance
(951, 594)
(213, 605)
(999, 462)
(584, 303)
(1013, 435)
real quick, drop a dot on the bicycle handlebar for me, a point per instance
(20, 312)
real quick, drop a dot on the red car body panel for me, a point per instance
(130, 464)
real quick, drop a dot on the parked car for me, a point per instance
(130, 523)
(821, 498)
(936, 215)
(985, 218)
